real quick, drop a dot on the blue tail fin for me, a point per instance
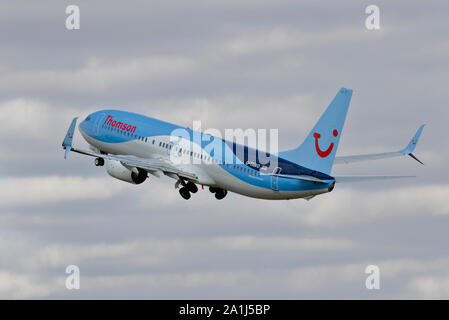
(318, 150)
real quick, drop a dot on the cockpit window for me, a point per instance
(88, 118)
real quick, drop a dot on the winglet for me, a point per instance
(412, 144)
(67, 143)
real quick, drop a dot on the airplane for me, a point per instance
(134, 146)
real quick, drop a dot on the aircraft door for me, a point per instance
(275, 179)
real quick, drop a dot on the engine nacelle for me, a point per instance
(115, 169)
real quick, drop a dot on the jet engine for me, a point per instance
(117, 170)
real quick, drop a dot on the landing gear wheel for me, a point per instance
(191, 187)
(220, 194)
(213, 190)
(184, 193)
(99, 162)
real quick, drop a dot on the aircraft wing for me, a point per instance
(151, 165)
(375, 156)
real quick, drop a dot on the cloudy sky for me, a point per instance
(232, 64)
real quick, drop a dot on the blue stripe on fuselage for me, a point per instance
(99, 127)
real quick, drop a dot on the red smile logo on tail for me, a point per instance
(323, 154)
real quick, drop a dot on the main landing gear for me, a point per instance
(99, 162)
(184, 193)
(219, 193)
(188, 188)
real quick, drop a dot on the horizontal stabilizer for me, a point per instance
(346, 179)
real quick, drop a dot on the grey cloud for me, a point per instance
(249, 64)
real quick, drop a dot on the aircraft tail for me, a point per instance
(318, 150)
